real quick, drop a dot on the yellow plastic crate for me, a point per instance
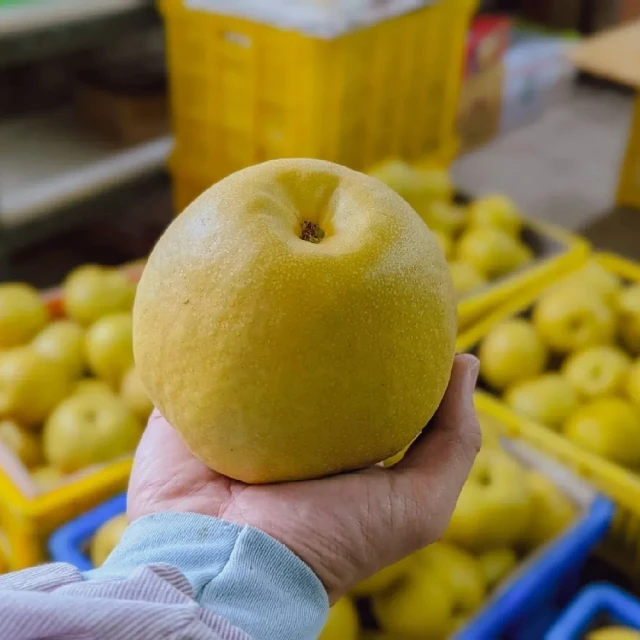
(557, 253)
(622, 545)
(629, 188)
(243, 92)
(28, 520)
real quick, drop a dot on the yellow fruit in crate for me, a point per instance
(91, 292)
(596, 278)
(91, 386)
(22, 314)
(387, 577)
(46, 477)
(549, 399)
(497, 565)
(88, 429)
(553, 511)
(497, 212)
(597, 371)
(632, 384)
(23, 444)
(109, 348)
(614, 633)
(446, 244)
(456, 570)
(445, 217)
(336, 290)
(135, 396)
(30, 385)
(492, 252)
(608, 427)
(342, 623)
(494, 508)
(63, 341)
(573, 318)
(106, 539)
(465, 278)
(418, 607)
(492, 431)
(511, 352)
(628, 308)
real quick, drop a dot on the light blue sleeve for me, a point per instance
(239, 573)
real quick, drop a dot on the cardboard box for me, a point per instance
(480, 107)
(488, 41)
(630, 10)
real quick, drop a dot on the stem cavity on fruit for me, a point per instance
(311, 232)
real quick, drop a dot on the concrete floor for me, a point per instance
(562, 168)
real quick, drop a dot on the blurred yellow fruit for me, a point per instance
(418, 607)
(384, 579)
(510, 353)
(135, 396)
(30, 385)
(574, 318)
(498, 212)
(609, 427)
(466, 278)
(597, 371)
(91, 386)
(628, 308)
(446, 217)
(92, 292)
(456, 570)
(497, 565)
(492, 252)
(549, 399)
(494, 508)
(106, 539)
(553, 512)
(614, 633)
(109, 347)
(87, 429)
(597, 279)
(21, 443)
(342, 623)
(446, 244)
(46, 477)
(63, 340)
(492, 431)
(22, 314)
(632, 383)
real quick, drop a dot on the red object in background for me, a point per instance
(487, 42)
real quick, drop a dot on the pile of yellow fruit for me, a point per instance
(573, 363)
(482, 241)
(505, 512)
(106, 538)
(69, 394)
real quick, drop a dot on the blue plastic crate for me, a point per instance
(68, 543)
(527, 607)
(595, 606)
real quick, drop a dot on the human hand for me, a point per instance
(345, 527)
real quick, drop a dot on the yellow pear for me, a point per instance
(91, 386)
(496, 211)
(22, 314)
(23, 444)
(92, 292)
(597, 371)
(466, 279)
(63, 341)
(510, 353)
(135, 396)
(628, 308)
(596, 278)
(492, 252)
(109, 347)
(30, 385)
(446, 244)
(445, 217)
(106, 539)
(496, 565)
(342, 623)
(609, 427)
(574, 318)
(549, 399)
(336, 290)
(614, 633)
(632, 383)
(387, 577)
(46, 477)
